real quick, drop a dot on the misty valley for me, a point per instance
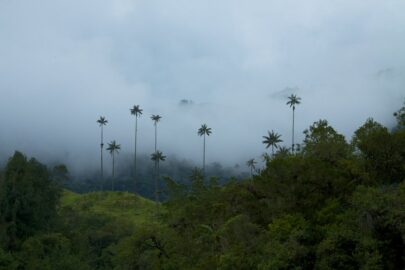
(202, 135)
(326, 203)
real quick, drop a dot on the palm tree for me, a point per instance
(202, 131)
(265, 157)
(155, 118)
(113, 148)
(283, 151)
(272, 140)
(157, 157)
(102, 122)
(137, 111)
(292, 101)
(251, 163)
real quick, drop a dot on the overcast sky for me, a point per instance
(65, 63)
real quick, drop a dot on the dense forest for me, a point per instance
(176, 168)
(328, 204)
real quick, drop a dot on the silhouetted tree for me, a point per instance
(202, 131)
(113, 148)
(28, 201)
(292, 101)
(157, 157)
(251, 163)
(102, 122)
(137, 111)
(155, 118)
(272, 140)
(282, 151)
(265, 157)
(400, 116)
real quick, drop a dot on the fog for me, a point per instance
(65, 63)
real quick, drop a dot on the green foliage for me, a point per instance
(324, 143)
(287, 244)
(8, 261)
(400, 116)
(97, 221)
(382, 152)
(330, 205)
(146, 248)
(28, 200)
(116, 205)
(50, 251)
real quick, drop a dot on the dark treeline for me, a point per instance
(179, 169)
(331, 204)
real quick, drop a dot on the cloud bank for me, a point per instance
(65, 63)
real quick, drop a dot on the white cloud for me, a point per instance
(64, 63)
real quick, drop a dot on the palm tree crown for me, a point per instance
(283, 151)
(156, 118)
(251, 163)
(293, 100)
(158, 156)
(204, 130)
(272, 140)
(102, 121)
(113, 147)
(136, 110)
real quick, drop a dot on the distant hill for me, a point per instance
(120, 205)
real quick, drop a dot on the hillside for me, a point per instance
(119, 205)
(331, 204)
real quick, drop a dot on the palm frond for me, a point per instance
(136, 110)
(102, 121)
(156, 118)
(272, 139)
(158, 156)
(113, 147)
(293, 100)
(204, 129)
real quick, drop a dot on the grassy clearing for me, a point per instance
(121, 205)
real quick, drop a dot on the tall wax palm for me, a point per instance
(156, 119)
(157, 157)
(113, 148)
(251, 163)
(137, 111)
(292, 101)
(102, 122)
(202, 131)
(272, 140)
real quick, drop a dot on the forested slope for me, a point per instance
(332, 204)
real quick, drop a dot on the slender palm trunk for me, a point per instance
(101, 157)
(272, 150)
(156, 182)
(251, 172)
(113, 170)
(155, 137)
(136, 135)
(156, 174)
(204, 159)
(292, 148)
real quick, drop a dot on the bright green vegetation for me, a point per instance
(118, 205)
(330, 204)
